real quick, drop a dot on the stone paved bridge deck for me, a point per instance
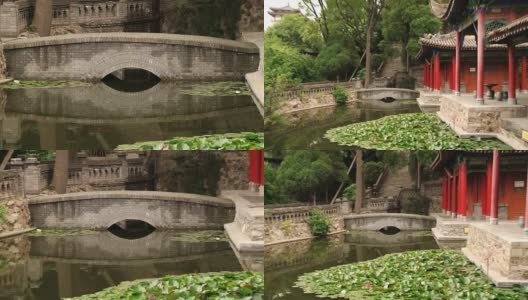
(100, 210)
(93, 56)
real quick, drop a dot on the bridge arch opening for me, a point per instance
(131, 80)
(390, 230)
(131, 229)
(388, 100)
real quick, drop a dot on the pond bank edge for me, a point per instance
(15, 233)
(302, 239)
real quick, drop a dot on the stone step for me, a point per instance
(515, 126)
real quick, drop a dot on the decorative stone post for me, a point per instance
(32, 176)
(481, 33)
(494, 209)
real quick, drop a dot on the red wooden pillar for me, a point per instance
(481, 32)
(452, 80)
(454, 195)
(512, 74)
(489, 171)
(437, 73)
(256, 169)
(444, 194)
(457, 63)
(463, 189)
(494, 205)
(524, 88)
(424, 76)
(526, 204)
(448, 194)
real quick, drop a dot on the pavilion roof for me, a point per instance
(448, 42)
(445, 157)
(518, 26)
(446, 9)
(285, 9)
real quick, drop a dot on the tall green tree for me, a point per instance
(304, 173)
(406, 21)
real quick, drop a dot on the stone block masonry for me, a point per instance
(100, 210)
(93, 56)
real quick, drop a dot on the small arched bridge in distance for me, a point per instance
(92, 56)
(387, 95)
(101, 210)
(379, 221)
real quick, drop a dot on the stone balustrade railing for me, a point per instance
(298, 214)
(111, 170)
(309, 89)
(383, 204)
(10, 185)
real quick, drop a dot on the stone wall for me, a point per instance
(286, 224)
(251, 16)
(93, 56)
(433, 190)
(3, 66)
(100, 210)
(14, 213)
(377, 221)
(211, 172)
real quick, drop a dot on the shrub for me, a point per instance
(350, 192)
(319, 222)
(3, 214)
(417, 204)
(340, 95)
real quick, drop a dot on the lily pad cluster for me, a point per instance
(37, 84)
(230, 141)
(208, 286)
(202, 236)
(430, 274)
(223, 88)
(416, 131)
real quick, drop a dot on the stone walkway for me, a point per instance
(256, 80)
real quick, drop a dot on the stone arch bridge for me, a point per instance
(100, 210)
(92, 56)
(378, 221)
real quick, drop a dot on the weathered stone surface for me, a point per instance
(100, 210)
(2, 61)
(93, 56)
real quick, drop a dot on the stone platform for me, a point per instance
(501, 251)
(450, 233)
(429, 102)
(470, 119)
(247, 231)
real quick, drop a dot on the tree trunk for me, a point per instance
(43, 17)
(360, 184)
(368, 55)
(61, 171)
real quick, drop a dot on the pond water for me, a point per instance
(54, 267)
(284, 263)
(105, 115)
(306, 129)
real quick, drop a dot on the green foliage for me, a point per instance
(319, 222)
(417, 204)
(415, 131)
(303, 173)
(426, 275)
(336, 59)
(350, 192)
(406, 21)
(211, 286)
(298, 32)
(3, 214)
(272, 187)
(372, 170)
(340, 95)
(41, 155)
(391, 159)
(228, 141)
(196, 172)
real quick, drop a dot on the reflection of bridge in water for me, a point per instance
(101, 117)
